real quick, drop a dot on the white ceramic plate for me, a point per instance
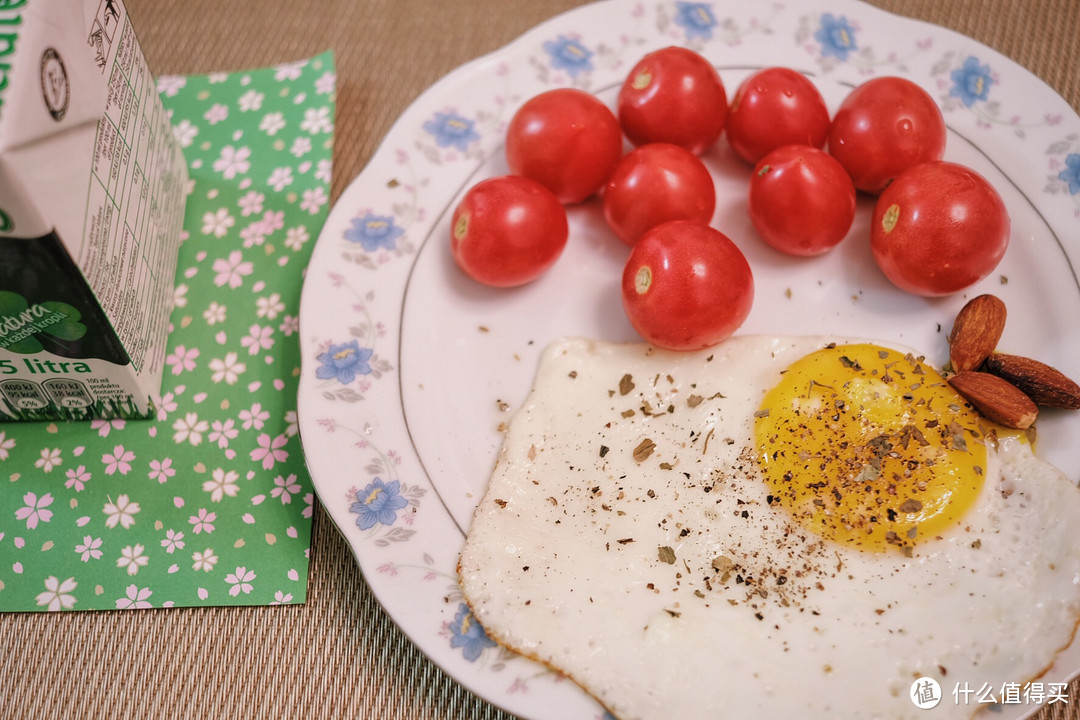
(409, 368)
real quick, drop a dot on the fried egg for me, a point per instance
(773, 527)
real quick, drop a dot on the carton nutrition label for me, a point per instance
(127, 225)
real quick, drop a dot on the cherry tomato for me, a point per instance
(938, 228)
(774, 107)
(655, 183)
(507, 231)
(686, 286)
(673, 95)
(801, 200)
(566, 140)
(883, 127)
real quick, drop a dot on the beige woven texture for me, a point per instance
(340, 656)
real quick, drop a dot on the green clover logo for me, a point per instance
(21, 323)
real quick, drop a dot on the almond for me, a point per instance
(976, 332)
(1045, 385)
(996, 398)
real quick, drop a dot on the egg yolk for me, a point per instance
(869, 447)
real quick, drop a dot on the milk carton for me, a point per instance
(91, 204)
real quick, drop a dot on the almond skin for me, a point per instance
(976, 332)
(996, 399)
(1045, 385)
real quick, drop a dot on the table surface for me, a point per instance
(339, 655)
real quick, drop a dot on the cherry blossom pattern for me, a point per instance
(35, 509)
(270, 450)
(7, 444)
(77, 477)
(189, 429)
(240, 581)
(217, 223)
(135, 598)
(203, 521)
(162, 470)
(182, 359)
(227, 369)
(57, 594)
(285, 487)
(89, 549)
(121, 512)
(204, 561)
(232, 270)
(118, 461)
(143, 512)
(222, 484)
(173, 541)
(233, 161)
(50, 458)
(132, 558)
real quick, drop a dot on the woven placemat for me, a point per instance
(340, 656)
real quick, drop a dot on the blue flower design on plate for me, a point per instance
(971, 82)
(568, 54)
(452, 130)
(836, 36)
(374, 231)
(696, 18)
(468, 634)
(1071, 173)
(344, 362)
(378, 503)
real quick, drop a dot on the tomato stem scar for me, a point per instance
(889, 220)
(643, 279)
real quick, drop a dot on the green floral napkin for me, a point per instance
(209, 504)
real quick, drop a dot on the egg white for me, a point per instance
(638, 554)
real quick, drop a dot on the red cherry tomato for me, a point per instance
(883, 127)
(566, 140)
(938, 228)
(686, 286)
(801, 200)
(673, 95)
(507, 231)
(656, 183)
(774, 107)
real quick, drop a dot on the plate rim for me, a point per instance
(305, 411)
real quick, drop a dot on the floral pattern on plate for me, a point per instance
(442, 399)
